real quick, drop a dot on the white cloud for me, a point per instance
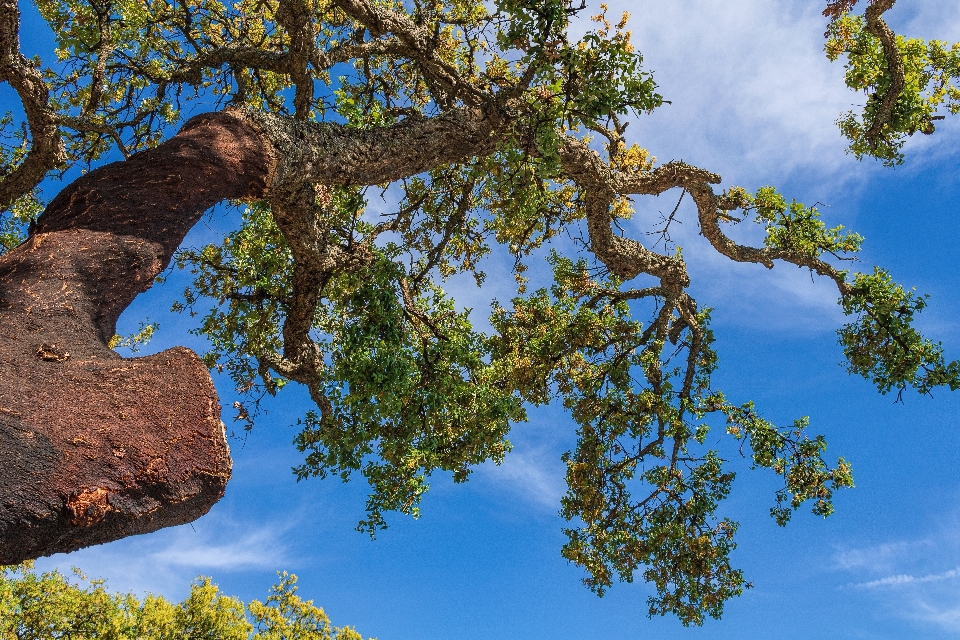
(877, 558)
(257, 549)
(753, 96)
(907, 579)
(166, 561)
(536, 475)
(917, 580)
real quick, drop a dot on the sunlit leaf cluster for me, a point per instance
(792, 455)
(136, 340)
(931, 69)
(40, 606)
(883, 346)
(795, 227)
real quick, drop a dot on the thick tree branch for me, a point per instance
(98, 447)
(190, 70)
(329, 154)
(104, 49)
(878, 28)
(46, 149)
(245, 57)
(296, 18)
(601, 185)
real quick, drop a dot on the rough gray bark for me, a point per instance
(331, 154)
(877, 27)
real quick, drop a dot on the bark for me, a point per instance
(878, 28)
(47, 150)
(328, 153)
(96, 447)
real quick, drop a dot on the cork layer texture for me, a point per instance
(95, 447)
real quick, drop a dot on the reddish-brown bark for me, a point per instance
(94, 447)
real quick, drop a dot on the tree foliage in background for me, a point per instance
(43, 606)
(347, 297)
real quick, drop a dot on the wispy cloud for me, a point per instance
(876, 558)
(916, 580)
(165, 562)
(905, 579)
(257, 549)
(945, 617)
(535, 475)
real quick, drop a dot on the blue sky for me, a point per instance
(754, 100)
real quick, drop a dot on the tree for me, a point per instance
(481, 119)
(51, 606)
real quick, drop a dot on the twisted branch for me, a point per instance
(628, 258)
(47, 150)
(878, 28)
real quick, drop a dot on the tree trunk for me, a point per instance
(95, 447)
